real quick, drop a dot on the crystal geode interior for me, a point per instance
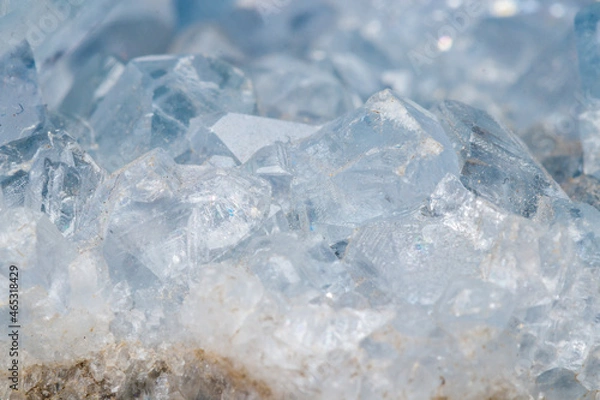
(321, 199)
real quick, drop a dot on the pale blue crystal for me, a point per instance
(272, 163)
(263, 27)
(244, 135)
(589, 130)
(588, 48)
(270, 225)
(42, 254)
(157, 99)
(548, 90)
(49, 172)
(189, 11)
(186, 215)
(383, 159)
(472, 305)
(72, 58)
(308, 269)
(291, 89)
(406, 257)
(355, 73)
(209, 40)
(494, 163)
(21, 106)
(558, 384)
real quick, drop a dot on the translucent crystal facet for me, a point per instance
(369, 163)
(495, 164)
(21, 106)
(244, 135)
(49, 172)
(157, 98)
(184, 215)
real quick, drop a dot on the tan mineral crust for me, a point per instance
(128, 371)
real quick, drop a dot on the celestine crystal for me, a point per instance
(320, 199)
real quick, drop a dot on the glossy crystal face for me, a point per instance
(317, 199)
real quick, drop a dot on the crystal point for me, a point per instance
(384, 158)
(495, 164)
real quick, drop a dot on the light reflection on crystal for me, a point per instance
(263, 212)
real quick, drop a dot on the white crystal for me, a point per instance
(184, 215)
(244, 135)
(368, 164)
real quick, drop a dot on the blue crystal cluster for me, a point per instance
(316, 199)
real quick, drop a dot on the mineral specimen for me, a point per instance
(239, 199)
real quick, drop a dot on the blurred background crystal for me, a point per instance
(319, 199)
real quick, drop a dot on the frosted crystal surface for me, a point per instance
(321, 199)
(244, 134)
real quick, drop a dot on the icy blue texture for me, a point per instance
(157, 99)
(288, 88)
(21, 106)
(320, 199)
(367, 164)
(494, 163)
(48, 172)
(588, 48)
